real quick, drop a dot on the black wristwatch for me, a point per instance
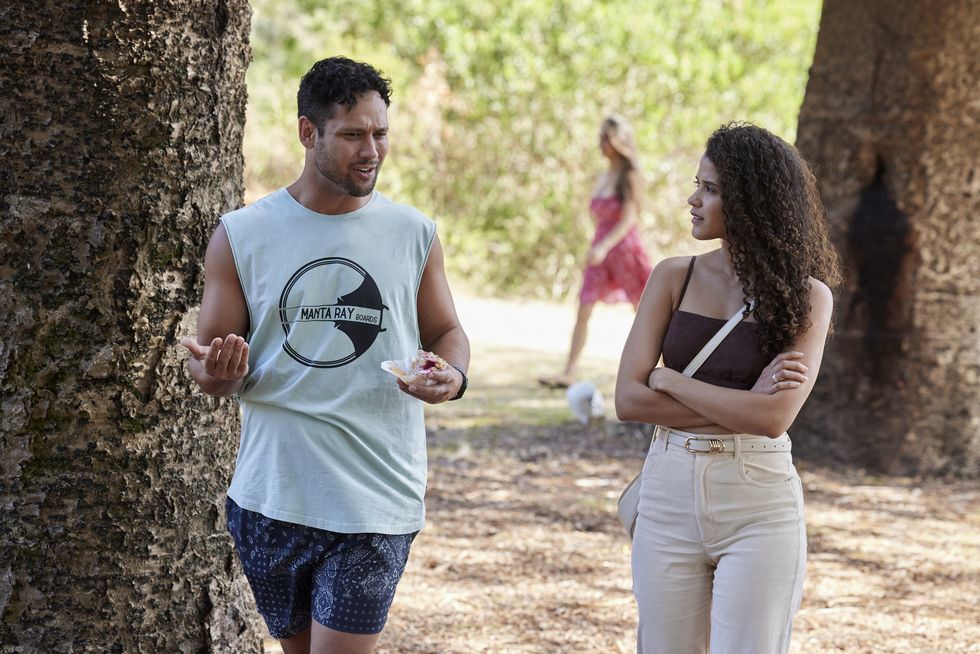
(462, 387)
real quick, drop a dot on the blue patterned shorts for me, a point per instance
(343, 581)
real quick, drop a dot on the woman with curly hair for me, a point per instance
(719, 547)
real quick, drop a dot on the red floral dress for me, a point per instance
(623, 274)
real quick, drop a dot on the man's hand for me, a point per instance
(447, 385)
(225, 360)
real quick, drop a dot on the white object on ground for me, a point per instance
(585, 401)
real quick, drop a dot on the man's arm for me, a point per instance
(219, 357)
(440, 331)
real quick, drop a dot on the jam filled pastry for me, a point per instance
(416, 369)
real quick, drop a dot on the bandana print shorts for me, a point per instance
(297, 573)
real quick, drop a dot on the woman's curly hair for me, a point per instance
(776, 228)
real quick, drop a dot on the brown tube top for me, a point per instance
(737, 362)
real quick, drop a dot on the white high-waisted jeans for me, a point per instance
(719, 549)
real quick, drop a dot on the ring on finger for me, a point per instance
(774, 380)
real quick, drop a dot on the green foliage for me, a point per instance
(496, 110)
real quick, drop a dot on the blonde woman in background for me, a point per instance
(617, 266)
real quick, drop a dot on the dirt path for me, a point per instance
(523, 553)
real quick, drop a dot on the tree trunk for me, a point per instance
(119, 147)
(891, 122)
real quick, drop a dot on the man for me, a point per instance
(306, 292)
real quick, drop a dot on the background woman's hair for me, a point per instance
(776, 228)
(629, 182)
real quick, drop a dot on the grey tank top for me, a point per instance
(328, 440)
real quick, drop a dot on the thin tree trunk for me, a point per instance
(891, 120)
(119, 147)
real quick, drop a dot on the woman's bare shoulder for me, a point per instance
(820, 293)
(679, 265)
(671, 265)
(669, 274)
(821, 301)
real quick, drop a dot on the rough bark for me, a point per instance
(891, 121)
(120, 145)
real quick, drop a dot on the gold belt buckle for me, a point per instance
(715, 446)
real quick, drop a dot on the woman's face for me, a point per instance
(707, 214)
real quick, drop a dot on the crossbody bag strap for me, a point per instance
(716, 340)
(710, 346)
(691, 368)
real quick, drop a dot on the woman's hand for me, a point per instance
(597, 254)
(783, 373)
(658, 377)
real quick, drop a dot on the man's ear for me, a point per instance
(307, 132)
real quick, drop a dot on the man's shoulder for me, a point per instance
(400, 211)
(262, 207)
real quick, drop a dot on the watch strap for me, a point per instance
(462, 387)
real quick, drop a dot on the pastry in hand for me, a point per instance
(416, 368)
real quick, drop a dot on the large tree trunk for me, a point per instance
(891, 122)
(120, 145)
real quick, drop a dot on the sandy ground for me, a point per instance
(522, 552)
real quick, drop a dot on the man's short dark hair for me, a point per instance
(337, 80)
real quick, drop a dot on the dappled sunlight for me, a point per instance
(523, 553)
(893, 566)
(534, 562)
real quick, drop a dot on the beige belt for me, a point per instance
(723, 443)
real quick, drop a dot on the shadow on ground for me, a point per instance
(523, 553)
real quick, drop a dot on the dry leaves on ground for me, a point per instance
(522, 552)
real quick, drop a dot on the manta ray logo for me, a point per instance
(331, 290)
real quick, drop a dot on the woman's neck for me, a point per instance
(726, 255)
(723, 261)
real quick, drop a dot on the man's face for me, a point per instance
(351, 146)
